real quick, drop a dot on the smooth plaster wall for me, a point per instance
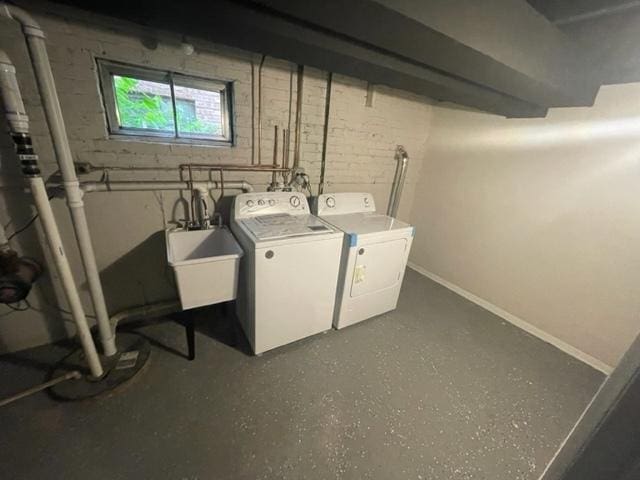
(540, 217)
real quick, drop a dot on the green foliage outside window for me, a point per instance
(140, 109)
(144, 110)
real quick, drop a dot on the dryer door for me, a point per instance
(378, 266)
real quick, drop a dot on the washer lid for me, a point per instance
(283, 225)
(363, 223)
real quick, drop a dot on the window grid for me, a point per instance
(212, 133)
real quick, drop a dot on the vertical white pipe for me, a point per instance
(39, 192)
(53, 112)
(11, 98)
(19, 125)
(14, 111)
(4, 241)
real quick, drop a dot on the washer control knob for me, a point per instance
(366, 201)
(272, 202)
(249, 203)
(331, 202)
(260, 202)
(294, 201)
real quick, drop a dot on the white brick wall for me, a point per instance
(126, 227)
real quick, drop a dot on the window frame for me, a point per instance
(108, 68)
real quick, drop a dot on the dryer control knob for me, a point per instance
(294, 201)
(331, 202)
(249, 203)
(272, 202)
(260, 202)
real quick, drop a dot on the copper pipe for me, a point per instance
(232, 168)
(253, 114)
(284, 147)
(287, 149)
(296, 152)
(275, 155)
(193, 212)
(260, 109)
(275, 146)
(325, 134)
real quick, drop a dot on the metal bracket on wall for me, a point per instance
(370, 95)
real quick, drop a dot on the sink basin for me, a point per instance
(205, 264)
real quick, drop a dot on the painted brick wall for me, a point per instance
(127, 228)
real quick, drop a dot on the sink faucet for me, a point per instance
(216, 219)
(202, 220)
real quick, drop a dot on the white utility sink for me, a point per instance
(205, 263)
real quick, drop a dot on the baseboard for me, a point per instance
(518, 322)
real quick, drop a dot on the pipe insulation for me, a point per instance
(12, 101)
(53, 113)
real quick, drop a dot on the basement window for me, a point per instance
(165, 106)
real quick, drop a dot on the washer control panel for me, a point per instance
(343, 203)
(270, 203)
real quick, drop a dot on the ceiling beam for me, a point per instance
(244, 25)
(499, 56)
(503, 45)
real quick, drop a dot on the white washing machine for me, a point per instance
(374, 257)
(289, 273)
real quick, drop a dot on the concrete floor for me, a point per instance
(438, 389)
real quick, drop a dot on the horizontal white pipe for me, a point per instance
(140, 186)
(40, 196)
(53, 112)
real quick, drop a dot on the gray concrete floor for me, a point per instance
(438, 389)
